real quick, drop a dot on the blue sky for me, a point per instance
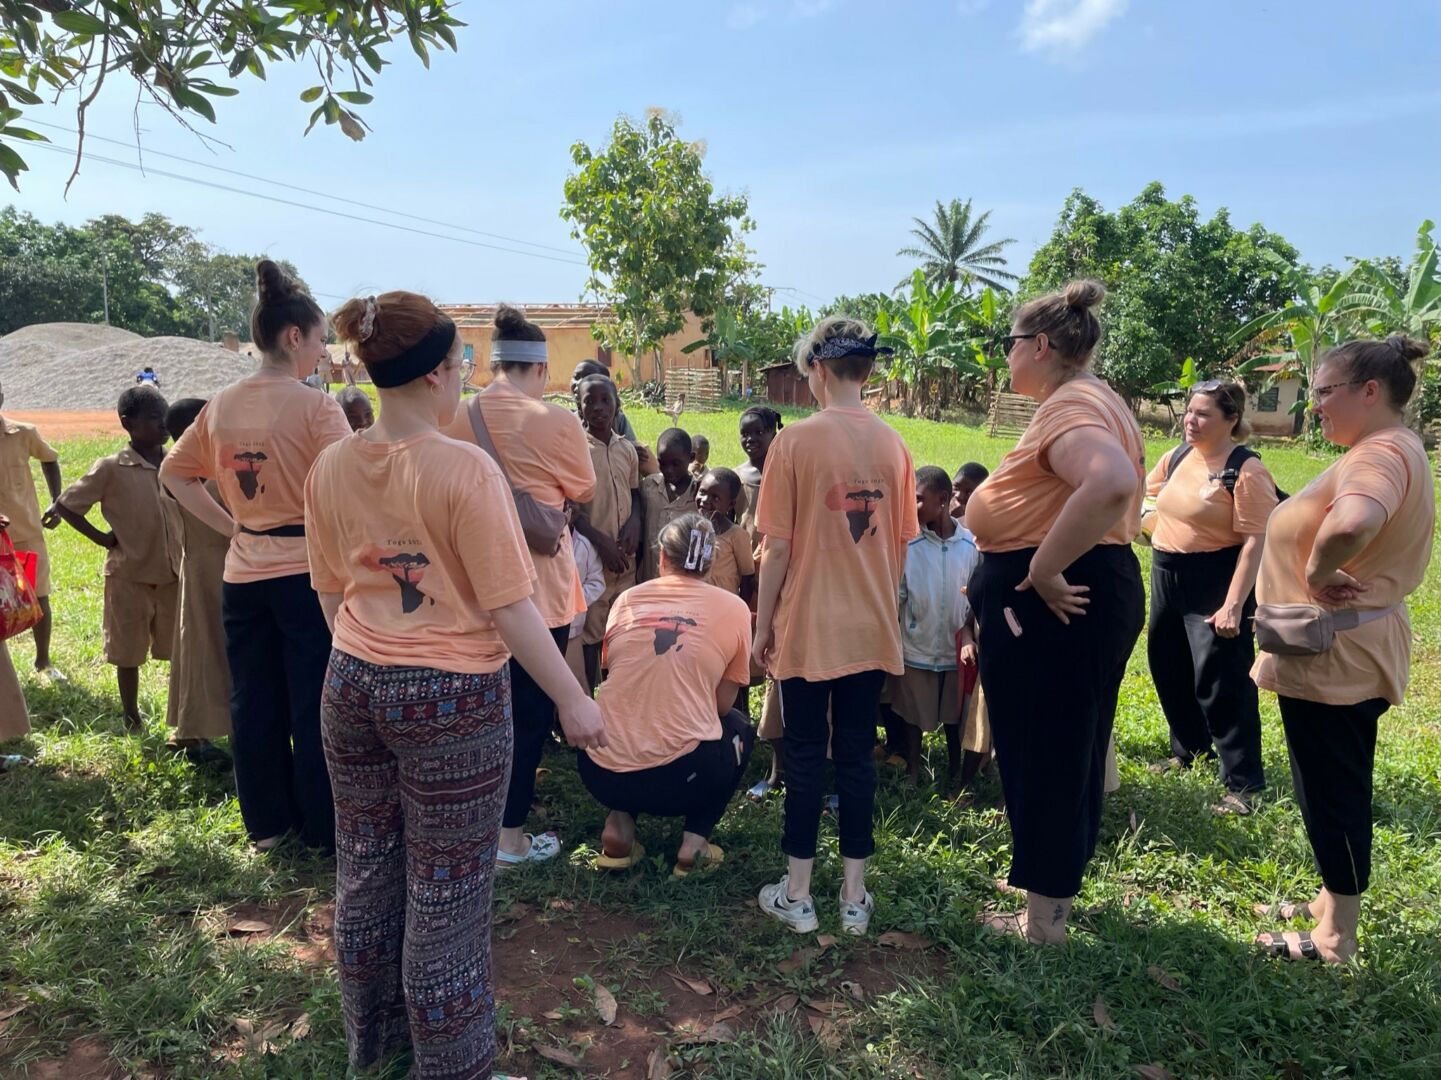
(841, 119)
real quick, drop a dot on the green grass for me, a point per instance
(119, 864)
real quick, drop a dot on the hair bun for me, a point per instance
(1407, 347)
(272, 284)
(509, 319)
(1084, 294)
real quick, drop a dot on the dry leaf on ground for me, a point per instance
(797, 960)
(1152, 1072)
(729, 1014)
(13, 1010)
(658, 1066)
(826, 941)
(1102, 1015)
(248, 926)
(694, 1033)
(785, 1003)
(605, 1005)
(558, 1056)
(695, 986)
(558, 904)
(1164, 977)
(826, 1008)
(825, 1031)
(854, 990)
(903, 939)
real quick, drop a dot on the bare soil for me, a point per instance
(56, 424)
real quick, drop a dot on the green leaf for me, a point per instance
(355, 97)
(314, 117)
(12, 165)
(22, 133)
(78, 22)
(216, 90)
(313, 94)
(332, 111)
(20, 93)
(189, 99)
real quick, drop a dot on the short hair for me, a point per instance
(589, 367)
(856, 368)
(1066, 318)
(973, 470)
(768, 417)
(934, 479)
(138, 398)
(676, 437)
(181, 415)
(688, 538)
(1390, 363)
(699, 443)
(730, 478)
(596, 380)
(347, 396)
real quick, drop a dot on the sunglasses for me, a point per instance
(467, 369)
(1009, 341)
(1321, 393)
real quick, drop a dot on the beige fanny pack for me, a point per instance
(1307, 629)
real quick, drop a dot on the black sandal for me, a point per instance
(1277, 945)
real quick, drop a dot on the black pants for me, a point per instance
(1202, 679)
(1333, 754)
(853, 701)
(532, 716)
(278, 646)
(1052, 692)
(697, 786)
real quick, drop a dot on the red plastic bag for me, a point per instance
(19, 606)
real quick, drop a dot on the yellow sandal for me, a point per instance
(704, 862)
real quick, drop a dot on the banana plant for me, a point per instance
(1414, 310)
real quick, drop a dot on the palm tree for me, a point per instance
(951, 247)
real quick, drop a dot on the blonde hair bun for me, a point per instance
(1084, 294)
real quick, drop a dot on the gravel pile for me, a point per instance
(74, 366)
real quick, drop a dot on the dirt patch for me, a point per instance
(54, 424)
(86, 1059)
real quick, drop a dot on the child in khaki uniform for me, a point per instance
(199, 702)
(666, 495)
(734, 568)
(611, 520)
(18, 444)
(14, 720)
(144, 544)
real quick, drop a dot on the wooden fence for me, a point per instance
(1010, 414)
(701, 387)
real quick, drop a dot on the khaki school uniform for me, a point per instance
(142, 570)
(659, 510)
(19, 443)
(14, 720)
(617, 474)
(733, 560)
(199, 705)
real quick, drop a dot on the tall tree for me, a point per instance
(660, 241)
(1179, 285)
(952, 246)
(177, 52)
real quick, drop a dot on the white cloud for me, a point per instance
(967, 8)
(1065, 25)
(744, 16)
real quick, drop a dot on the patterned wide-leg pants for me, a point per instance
(419, 760)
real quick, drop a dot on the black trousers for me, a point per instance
(1052, 691)
(1202, 679)
(532, 717)
(278, 646)
(697, 786)
(853, 701)
(1333, 755)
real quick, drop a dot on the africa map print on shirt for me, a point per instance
(669, 629)
(246, 458)
(858, 499)
(405, 564)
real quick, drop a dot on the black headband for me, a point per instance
(837, 347)
(420, 359)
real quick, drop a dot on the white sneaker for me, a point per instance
(799, 915)
(856, 915)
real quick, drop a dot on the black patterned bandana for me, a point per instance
(837, 347)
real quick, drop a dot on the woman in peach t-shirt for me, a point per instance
(837, 508)
(1059, 600)
(678, 652)
(257, 439)
(1210, 527)
(543, 450)
(422, 570)
(1359, 537)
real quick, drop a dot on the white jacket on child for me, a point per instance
(592, 577)
(932, 607)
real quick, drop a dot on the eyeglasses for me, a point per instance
(467, 369)
(1009, 341)
(1321, 393)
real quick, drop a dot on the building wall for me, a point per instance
(1270, 410)
(568, 338)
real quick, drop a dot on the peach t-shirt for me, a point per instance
(1373, 660)
(668, 645)
(1015, 508)
(257, 440)
(421, 538)
(546, 455)
(840, 486)
(1195, 513)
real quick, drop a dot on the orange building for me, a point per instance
(567, 335)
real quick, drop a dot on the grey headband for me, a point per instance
(518, 352)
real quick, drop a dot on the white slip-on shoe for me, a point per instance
(543, 847)
(799, 915)
(856, 915)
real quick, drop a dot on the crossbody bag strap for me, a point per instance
(482, 436)
(1174, 459)
(1350, 618)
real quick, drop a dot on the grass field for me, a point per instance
(124, 871)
